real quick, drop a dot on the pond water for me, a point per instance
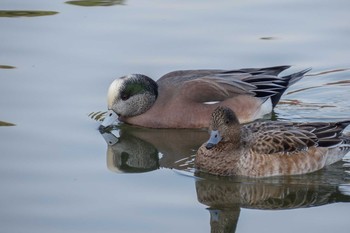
(57, 58)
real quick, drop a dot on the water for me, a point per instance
(57, 173)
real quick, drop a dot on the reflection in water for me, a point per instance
(3, 123)
(140, 149)
(268, 38)
(96, 2)
(130, 154)
(133, 149)
(328, 72)
(7, 67)
(226, 196)
(26, 13)
(342, 82)
(324, 97)
(305, 105)
(97, 116)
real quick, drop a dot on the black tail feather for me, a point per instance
(289, 80)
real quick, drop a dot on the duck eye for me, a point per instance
(124, 97)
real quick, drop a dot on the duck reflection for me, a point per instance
(132, 149)
(226, 196)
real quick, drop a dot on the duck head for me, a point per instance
(224, 126)
(129, 96)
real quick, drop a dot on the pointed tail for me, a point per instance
(287, 82)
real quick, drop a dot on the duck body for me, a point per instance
(270, 148)
(186, 99)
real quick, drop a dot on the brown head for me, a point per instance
(224, 126)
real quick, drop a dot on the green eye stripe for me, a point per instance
(133, 88)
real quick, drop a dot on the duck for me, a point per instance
(186, 98)
(269, 148)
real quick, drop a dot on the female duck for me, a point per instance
(269, 148)
(186, 99)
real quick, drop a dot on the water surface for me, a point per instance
(57, 58)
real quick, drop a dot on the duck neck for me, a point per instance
(234, 139)
(151, 86)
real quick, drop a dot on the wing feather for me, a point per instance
(218, 85)
(283, 137)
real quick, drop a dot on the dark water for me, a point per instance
(57, 58)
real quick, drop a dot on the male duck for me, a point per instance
(269, 148)
(186, 99)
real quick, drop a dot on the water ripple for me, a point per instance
(96, 2)
(25, 13)
(3, 123)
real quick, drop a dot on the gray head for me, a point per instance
(129, 96)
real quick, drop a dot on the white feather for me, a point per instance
(113, 90)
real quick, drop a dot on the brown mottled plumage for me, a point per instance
(269, 148)
(186, 98)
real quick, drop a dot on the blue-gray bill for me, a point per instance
(111, 118)
(111, 137)
(214, 139)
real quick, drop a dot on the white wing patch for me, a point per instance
(211, 102)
